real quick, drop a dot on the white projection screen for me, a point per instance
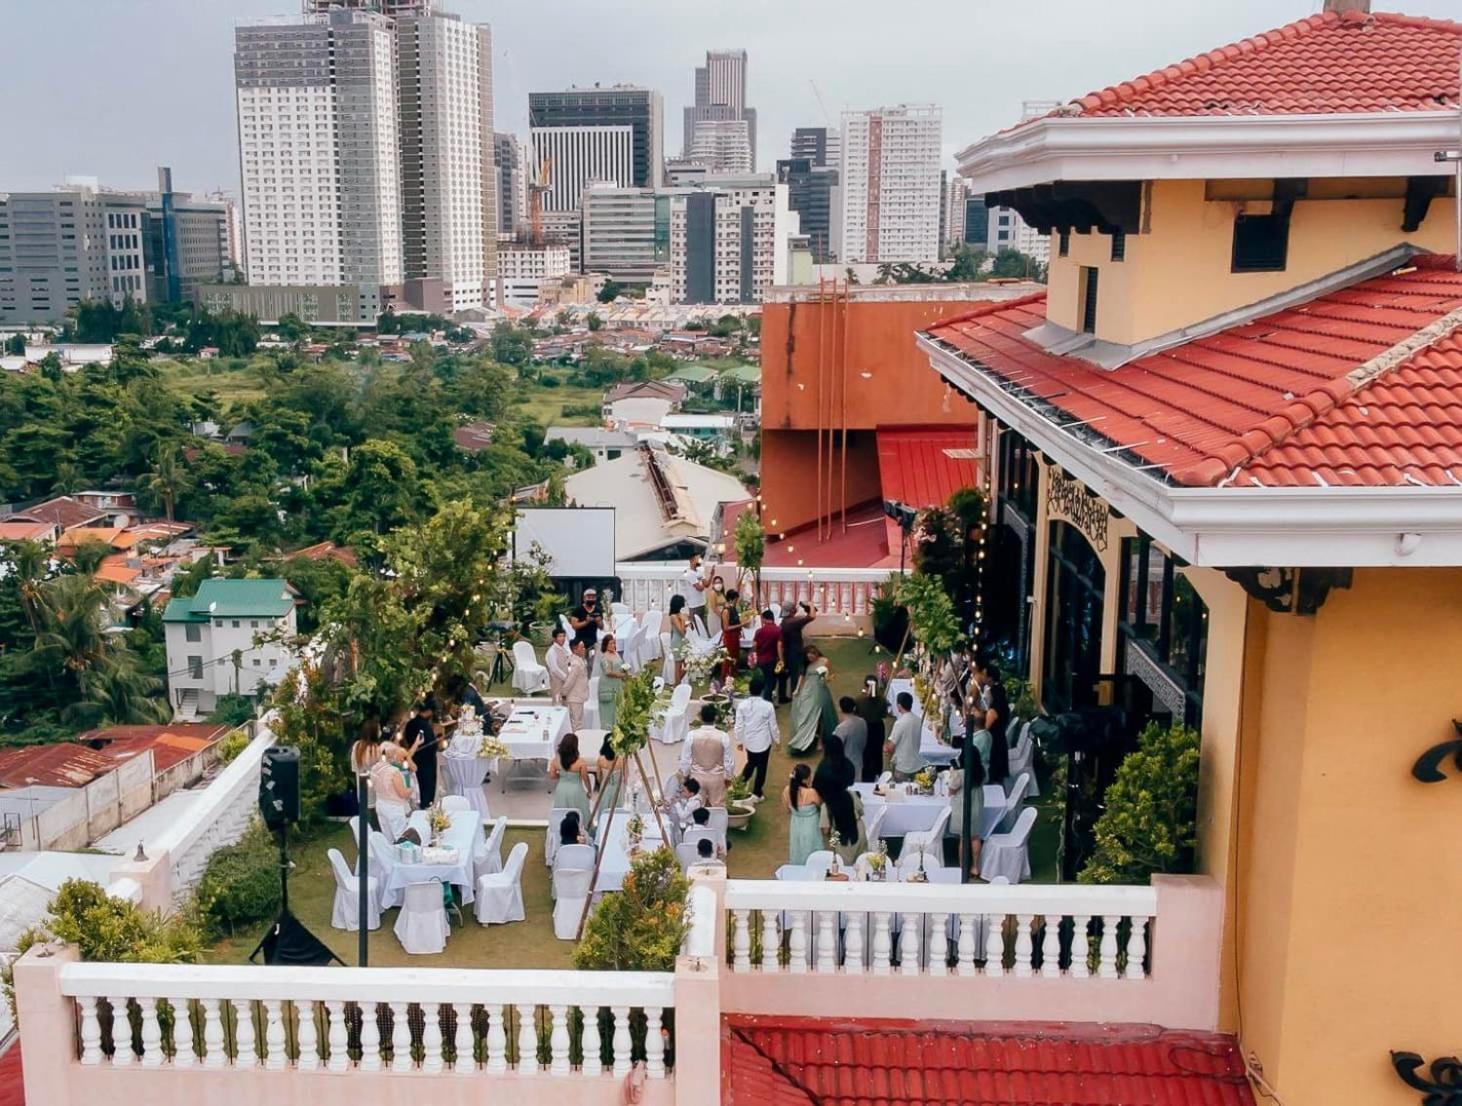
(579, 541)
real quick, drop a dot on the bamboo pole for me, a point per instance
(619, 769)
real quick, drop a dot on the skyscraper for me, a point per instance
(512, 182)
(822, 146)
(728, 239)
(721, 145)
(810, 193)
(890, 184)
(956, 191)
(720, 95)
(638, 109)
(574, 156)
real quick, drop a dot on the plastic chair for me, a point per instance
(345, 912)
(422, 926)
(550, 842)
(453, 803)
(487, 857)
(1022, 762)
(932, 839)
(500, 895)
(675, 728)
(1008, 854)
(574, 856)
(529, 676)
(570, 892)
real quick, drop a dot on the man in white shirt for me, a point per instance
(556, 660)
(693, 586)
(707, 758)
(902, 747)
(757, 731)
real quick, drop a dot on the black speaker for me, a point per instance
(279, 786)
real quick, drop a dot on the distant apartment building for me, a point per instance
(722, 145)
(977, 223)
(230, 637)
(639, 109)
(889, 175)
(812, 192)
(523, 271)
(571, 157)
(1008, 231)
(511, 160)
(956, 191)
(720, 97)
(565, 228)
(822, 146)
(626, 232)
(729, 240)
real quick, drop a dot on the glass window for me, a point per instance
(1162, 610)
(236, 623)
(195, 668)
(193, 632)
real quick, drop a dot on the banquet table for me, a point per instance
(910, 814)
(800, 873)
(613, 839)
(462, 835)
(532, 731)
(464, 773)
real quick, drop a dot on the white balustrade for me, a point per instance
(907, 929)
(430, 1013)
(836, 592)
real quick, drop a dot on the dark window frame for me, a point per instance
(1249, 255)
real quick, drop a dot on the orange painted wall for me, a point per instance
(789, 475)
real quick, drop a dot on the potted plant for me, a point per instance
(546, 609)
(739, 807)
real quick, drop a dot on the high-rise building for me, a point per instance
(319, 153)
(811, 192)
(188, 241)
(977, 222)
(722, 145)
(729, 239)
(1008, 231)
(448, 179)
(511, 160)
(626, 232)
(393, 8)
(571, 157)
(889, 175)
(526, 268)
(639, 109)
(719, 96)
(952, 217)
(822, 146)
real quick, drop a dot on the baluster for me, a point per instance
(909, 944)
(827, 941)
(337, 1036)
(797, 944)
(91, 1032)
(654, 1044)
(527, 1039)
(1107, 962)
(431, 1038)
(122, 1054)
(621, 1039)
(558, 1040)
(274, 1054)
(593, 1063)
(994, 944)
(966, 946)
(244, 1054)
(306, 1036)
(370, 1037)
(497, 1039)
(1024, 946)
(853, 944)
(400, 1037)
(215, 1054)
(741, 942)
(880, 942)
(185, 1037)
(464, 1040)
(151, 1034)
(771, 941)
(938, 952)
(1080, 946)
(1137, 948)
(1051, 947)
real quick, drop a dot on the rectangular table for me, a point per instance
(532, 732)
(614, 858)
(463, 835)
(910, 814)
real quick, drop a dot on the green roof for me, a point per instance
(694, 374)
(217, 598)
(747, 374)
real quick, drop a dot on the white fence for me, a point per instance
(578, 1025)
(836, 592)
(910, 929)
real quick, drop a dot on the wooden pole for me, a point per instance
(654, 806)
(619, 769)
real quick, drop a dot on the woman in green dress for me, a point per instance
(611, 681)
(813, 715)
(801, 802)
(571, 792)
(608, 780)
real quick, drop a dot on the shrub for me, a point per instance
(233, 743)
(1151, 809)
(641, 928)
(232, 710)
(241, 883)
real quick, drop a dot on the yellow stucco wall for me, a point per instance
(1179, 270)
(1350, 872)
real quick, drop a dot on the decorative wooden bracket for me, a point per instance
(1444, 1088)
(1428, 766)
(1290, 590)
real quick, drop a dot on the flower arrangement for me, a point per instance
(878, 862)
(924, 780)
(438, 820)
(491, 747)
(635, 828)
(700, 666)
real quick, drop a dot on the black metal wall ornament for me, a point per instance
(1443, 1088)
(1290, 590)
(1428, 766)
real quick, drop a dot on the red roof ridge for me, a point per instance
(988, 307)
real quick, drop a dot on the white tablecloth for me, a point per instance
(799, 873)
(614, 848)
(910, 814)
(464, 776)
(462, 835)
(931, 748)
(532, 733)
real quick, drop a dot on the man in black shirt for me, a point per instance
(793, 648)
(586, 619)
(421, 744)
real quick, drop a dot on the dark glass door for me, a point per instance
(1075, 584)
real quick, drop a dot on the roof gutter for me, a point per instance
(1229, 527)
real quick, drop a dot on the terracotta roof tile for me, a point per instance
(1265, 402)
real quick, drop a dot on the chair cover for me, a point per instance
(930, 840)
(1008, 854)
(818, 863)
(529, 676)
(570, 891)
(345, 912)
(1022, 760)
(1014, 804)
(452, 803)
(667, 670)
(488, 857)
(550, 842)
(574, 856)
(696, 834)
(675, 727)
(500, 896)
(995, 804)
(591, 704)
(422, 926)
(383, 860)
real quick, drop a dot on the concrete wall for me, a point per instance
(789, 475)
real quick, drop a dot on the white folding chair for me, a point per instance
(1014, 803)
(383, 863)
(818, 863)
(1008, 854)
(574, 856)
(529, 676)
(487, 857)
(931, 840)
(675, 726)
(422, 926)
(570, 892)
(885, 779)
(650, 623)
(720, 821)
(875, 827)
(500, 895)
(550, 842)
(452, 803)
(1022, 762)
(910, 860)
(667, 670)
(619, 610)
(345, 912)
(591, 705)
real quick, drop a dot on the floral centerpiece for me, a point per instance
(438, 820)
(834, 841)
(878, 862)
(491, 746)
(700, 665)
(635, 831)
(924, 780)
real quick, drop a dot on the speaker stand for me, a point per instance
(287, 942)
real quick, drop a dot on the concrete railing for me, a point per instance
(836, 592)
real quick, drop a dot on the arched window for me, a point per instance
(1075, 584)
(1163, 630)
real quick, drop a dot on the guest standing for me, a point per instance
(556, 660)
(767, 655)
(902, 748)
(693, 588)
(813, 715)
(873, 709)
(801, 802)
(731, 636)
(611, 681)
(707, 758)
(587, 620)
(608, 777)
(392, 791)
(679, 627)
(363, 757)
(576, 685)
(973, 777)
(996, 719)
(853, 732)
(421, 745)
(757, 731)
(715, 600)
(571, 790)
(794, 649)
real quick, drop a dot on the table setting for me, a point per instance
(445, 855)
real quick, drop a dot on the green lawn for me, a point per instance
(225, 379)
(545, 405)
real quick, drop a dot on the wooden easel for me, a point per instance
(620, 773)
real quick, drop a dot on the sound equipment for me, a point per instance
(279, 786)
(289, 944)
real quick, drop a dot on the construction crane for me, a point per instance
(826, 115)
(537, 188)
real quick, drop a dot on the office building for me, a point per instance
(811, 193)
(722, 145)
(639, 109)
(889, 175)
(822, 146)
(394, 8)
(977, 223)
(1008, 231)
(524, 269)
(680, 172)
(565, 228)
(956, 191)
(318, 151)
(511, 159)
(729, 239)
(720, 96)
(626, 232)
(570, 157)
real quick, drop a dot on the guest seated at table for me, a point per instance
(389, 778)
(608, 777)
(706, 858)
(973, 779)
(570, 830)
(801, 802)
(842, 810)
(688, 801)
(572, 774)
(700, 818)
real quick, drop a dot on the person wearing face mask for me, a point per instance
(715, 601)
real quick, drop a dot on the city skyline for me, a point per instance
(70, 130)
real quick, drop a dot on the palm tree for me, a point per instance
(120, 693)
(72, 627)
(31, 562)
(169, 479)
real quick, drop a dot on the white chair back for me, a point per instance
(570, 891)
(514, 869)
(500, 894)
(652, 620)
(523, 653)
(573, 856)
(619, 610)
(995, 807)
(451, 803)
(876, 825)
(776, 609)
(700, 833)
(550, 845)
(680, 697)
(1020, 835)
(343, 877)
(422, 926)
(667, 670)
(1012, 731)
(345, 909)
(687, 854)
(487, 855)
(819, 862)
(720, 820)
(885, 778)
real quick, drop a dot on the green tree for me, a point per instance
(385, 490)
(611, 291)
(968, 265)
(642, 928)
(595, 322)
(291, 327)
(1010, 263)
(511, 345)
(169, 480)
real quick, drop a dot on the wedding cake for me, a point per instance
(468, 735)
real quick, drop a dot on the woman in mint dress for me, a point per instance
(801, 802)
(813, 716)
(571, 792)
(611, 681)
(608, 780)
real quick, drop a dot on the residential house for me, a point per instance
(605, 445)
(641, 404)
(473, 437)
(63, 512)
(714, 430)
(228, 639)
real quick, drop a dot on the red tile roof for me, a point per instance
(64, 511)
(797, 1062)
(1278, 400)
(1328, 63)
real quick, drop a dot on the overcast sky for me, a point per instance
(112, 88)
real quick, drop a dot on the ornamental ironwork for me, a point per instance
(1067, 496)
(1441, 1086)
(1428, 766)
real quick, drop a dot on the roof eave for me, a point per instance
(1375, 144)
(1228, 527)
